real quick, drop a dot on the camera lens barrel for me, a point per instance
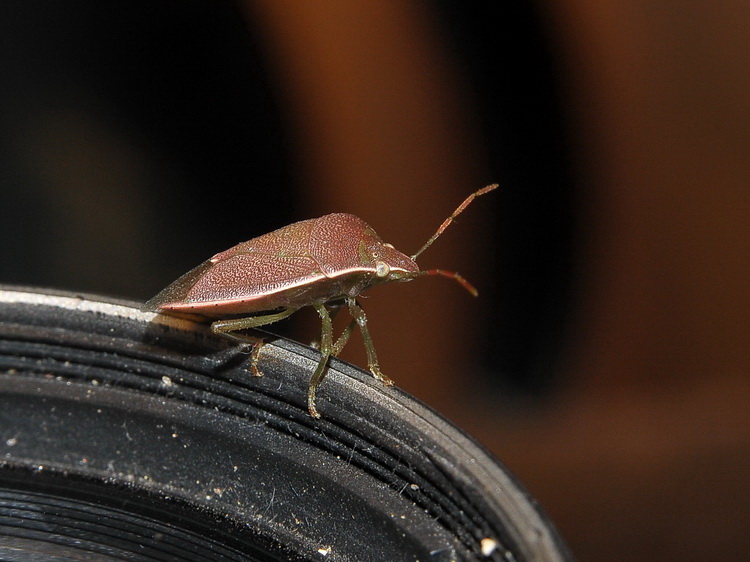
(130, 435)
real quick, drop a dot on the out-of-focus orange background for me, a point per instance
(638, 442)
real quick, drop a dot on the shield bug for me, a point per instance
(323, 262)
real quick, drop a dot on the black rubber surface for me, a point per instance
(133, 436)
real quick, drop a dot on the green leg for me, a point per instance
(333, 312)
(326, 347)
(343, 338)
(372, 360)
(227, 328)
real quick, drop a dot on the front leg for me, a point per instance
(372, 360)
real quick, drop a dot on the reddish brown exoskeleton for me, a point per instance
(316, 262)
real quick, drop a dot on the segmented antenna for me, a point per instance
(449, 220)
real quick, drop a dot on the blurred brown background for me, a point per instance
(606, 359)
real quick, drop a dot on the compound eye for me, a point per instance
(382, 269)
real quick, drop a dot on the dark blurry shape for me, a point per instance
(508, 56)
(134, 136)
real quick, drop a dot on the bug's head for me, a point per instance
(386, 261)
(390, 265)
(451, 274)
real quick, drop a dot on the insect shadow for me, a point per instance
(189, 337)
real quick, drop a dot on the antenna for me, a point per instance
(449, 220)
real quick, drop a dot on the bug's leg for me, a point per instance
(343, 338)
(228, 329)
(326, 346)
(372, 360)
(333, 311)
